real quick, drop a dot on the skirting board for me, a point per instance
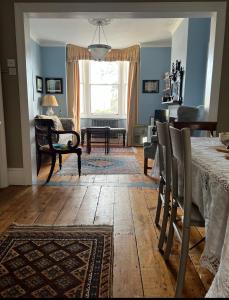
(16, 176)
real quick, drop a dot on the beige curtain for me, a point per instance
(73, 87)
(131, 54)
(132, 100)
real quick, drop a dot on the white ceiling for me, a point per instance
(120, 33)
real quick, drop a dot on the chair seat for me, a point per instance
(55, 146)
(196, 217)
(62, 148)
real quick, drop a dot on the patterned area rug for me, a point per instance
(101, 164)
(56, 261)
(113, 150)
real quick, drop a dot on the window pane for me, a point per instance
(104, 99)
(104, 72)
(125, 89)
(125, 71)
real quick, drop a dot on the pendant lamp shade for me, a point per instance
(99, 51)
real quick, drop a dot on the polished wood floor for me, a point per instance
(127, 202)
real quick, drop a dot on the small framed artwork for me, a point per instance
(54, 85)
(39, 84)
(150, 86)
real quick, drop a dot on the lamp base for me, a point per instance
(49, 111)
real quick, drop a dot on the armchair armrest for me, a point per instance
(70, 143)
(67, 123)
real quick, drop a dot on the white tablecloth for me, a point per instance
(211, 194)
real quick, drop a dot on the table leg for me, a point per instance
(88, 142)
(108, 142)
(124, 139)
(82, 137)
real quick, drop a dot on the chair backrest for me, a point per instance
(43, 134)
(164, 147)
(161, 115)
(187, 114)
(182, 169)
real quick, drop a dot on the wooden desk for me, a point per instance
(98, 131)
(113, 133)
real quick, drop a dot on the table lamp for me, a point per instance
(49, 101)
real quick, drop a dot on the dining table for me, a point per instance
(210, 192)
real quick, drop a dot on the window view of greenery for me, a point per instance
(104, 81)
(103, 88)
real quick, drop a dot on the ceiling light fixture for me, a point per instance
(99, 51)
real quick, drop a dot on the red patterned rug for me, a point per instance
(56, 261)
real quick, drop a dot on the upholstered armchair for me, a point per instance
(49, 142)
(161, 115)
(149, 151)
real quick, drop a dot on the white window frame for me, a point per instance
(84, 82)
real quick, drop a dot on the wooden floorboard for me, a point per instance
(128, 202)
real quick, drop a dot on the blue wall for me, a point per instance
(179, 45)
(154, 62)
(36, 63)
(190, 45)
(196, 65)
(53, 65)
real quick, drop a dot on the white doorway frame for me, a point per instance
(24, 11)
(3, 157)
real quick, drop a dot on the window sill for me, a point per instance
(103, 116)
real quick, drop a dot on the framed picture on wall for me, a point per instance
(54, 85)
(150, 86)
(39, 84)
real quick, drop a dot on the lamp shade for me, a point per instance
(99, 51)
(49, 100)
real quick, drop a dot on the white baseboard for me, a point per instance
(16, 176)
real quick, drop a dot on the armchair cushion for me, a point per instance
(57, 123)
(150, 148)
(67, 123)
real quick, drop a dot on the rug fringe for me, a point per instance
(63, 225)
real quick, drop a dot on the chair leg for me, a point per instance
(165, 220)
(171, 232)
(159, 203)
(52, 167)
(183, 262)
(145, 165)
(60, 161)
(39, 156)
(79, 163)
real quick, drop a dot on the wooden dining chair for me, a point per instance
(164, 147)
(182, 198)
(47, 142)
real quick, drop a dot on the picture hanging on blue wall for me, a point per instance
(39, 84)
(54, 85)
(150, 86)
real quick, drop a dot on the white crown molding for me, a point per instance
(157, 44)
(35, 39)
(177, 24)
(42, 43)
(16, 176)
(51, 44)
